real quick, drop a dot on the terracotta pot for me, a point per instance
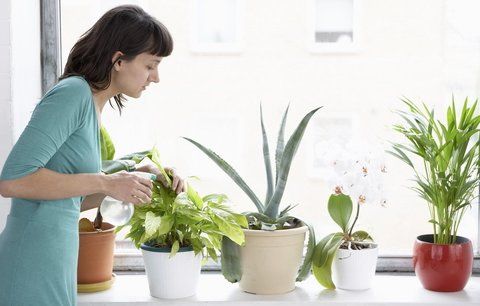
(443, 267)
(95, 255)
(270, 260)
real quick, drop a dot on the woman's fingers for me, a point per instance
(180, 187)
(162, 179)
(141, 197)
(175, 181)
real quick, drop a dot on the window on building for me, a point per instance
(334, 26)
(216, 26)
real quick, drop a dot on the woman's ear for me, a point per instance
(117, 60)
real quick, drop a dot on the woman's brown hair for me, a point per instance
(128, 29)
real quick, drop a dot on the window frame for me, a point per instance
(128, 259)
(325, 48)
(50, 40)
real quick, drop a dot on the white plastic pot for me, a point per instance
(171, 278)
(354, 269)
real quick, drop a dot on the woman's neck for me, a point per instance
(101, 98)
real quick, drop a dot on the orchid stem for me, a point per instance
(354, 221)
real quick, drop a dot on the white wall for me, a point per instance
(20, 85)
(6, 128)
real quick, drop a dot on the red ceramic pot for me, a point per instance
(443, 267)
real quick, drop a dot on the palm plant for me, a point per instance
(450, 156)
(268, 216)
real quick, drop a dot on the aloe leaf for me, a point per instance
(305, 268)
(340, 209)
(280, 144)
(230, 172)
(230, 258)
(266, 158)
(323, 257)
(271, 209)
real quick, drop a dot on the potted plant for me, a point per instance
(347, 259)
(95, 256)
(274, 241)
(176, 231)
(446, 178)
(96, 240)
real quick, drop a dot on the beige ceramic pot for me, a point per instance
(270, 260)
(95, 255)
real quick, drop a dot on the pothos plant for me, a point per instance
(268, 215)
(184, 220)
(353, 178)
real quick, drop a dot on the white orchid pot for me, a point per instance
(171, 278)
(354, 269)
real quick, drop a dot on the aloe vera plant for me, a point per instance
(268, 215)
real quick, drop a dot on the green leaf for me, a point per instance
(266, 159)
(340, 209)
(193, 195)
(175, 248)
(211, 252)
(156, 159)
(137, 156)
(165, 225)
(230, 258)
(323, 257)
(280, 144)
(305, 268)
(235, 233)
(107, 147)
(361, 236)
(293, 143)
(230, 172)
(114, 166)
(152, 223)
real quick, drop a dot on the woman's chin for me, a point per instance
(135, 95)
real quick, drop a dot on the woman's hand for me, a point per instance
(129, 187)
(178, 183)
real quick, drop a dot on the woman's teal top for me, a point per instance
(39, 245)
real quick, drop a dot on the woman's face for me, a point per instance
(132, 77)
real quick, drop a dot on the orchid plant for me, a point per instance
(353, 179)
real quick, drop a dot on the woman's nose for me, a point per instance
(154, 77)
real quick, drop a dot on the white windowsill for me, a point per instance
(213, 289)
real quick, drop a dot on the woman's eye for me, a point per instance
(150, 67)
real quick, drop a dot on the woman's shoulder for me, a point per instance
(68, 91)
(73, 84)
(71, 94)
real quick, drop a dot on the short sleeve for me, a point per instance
(58, 115)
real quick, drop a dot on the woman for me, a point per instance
(56, 161)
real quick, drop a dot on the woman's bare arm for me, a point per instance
(45, 184)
